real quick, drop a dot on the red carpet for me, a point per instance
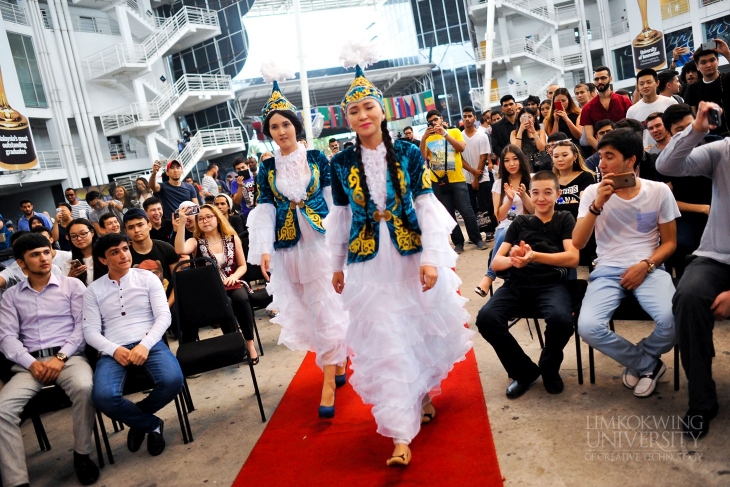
(299, 449)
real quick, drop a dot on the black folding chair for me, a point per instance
(201, 283)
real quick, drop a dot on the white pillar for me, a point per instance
(488, 57)
(306, 106)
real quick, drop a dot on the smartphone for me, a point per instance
(558, 105)
(625, 180)
(524, 118)
(713, 117)
(706, 46)
(76, 263)
(246, 174)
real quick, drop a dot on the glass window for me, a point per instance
(26, 66)
(679, 38)
(624, 63)
(717, 29)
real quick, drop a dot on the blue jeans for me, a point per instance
(604, 295)
(457, 198)
(109, 377)
(498, 241)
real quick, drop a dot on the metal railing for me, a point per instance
(619, 27)
(705, 3)
(165, 104)
(13, 13)
(674, 8)
(152, 20)
(153, 46)
(518, 47)
(49, 159)
(115, 57)
(205, 140)
(572, 60)
(95, 25)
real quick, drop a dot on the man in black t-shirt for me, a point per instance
(146, 250)
(537, 252)
(713, 86)
(161, 229)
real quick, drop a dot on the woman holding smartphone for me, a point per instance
(528, 136)
(83, 266)
(567, 115)
(406, 318)
(511, 189)
(214, 238)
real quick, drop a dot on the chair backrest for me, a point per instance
(200, 297)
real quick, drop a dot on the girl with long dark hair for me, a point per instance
(286, 234)
(406, 318)
(83, 266)
(143, 190)
(573, 175)
(564, 116)
(511, 189)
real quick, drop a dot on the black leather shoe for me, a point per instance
(553, 383)
(86, 470)
(156, 441)
(135, 438)
(697, 422)
(517, 388)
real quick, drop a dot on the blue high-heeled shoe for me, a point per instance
(341, 380)
(327, 412)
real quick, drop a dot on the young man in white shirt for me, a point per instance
(647, 82)
(636, 232)
(125, 317)
(477, 168)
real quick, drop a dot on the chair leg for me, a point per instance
(118, 426)
(258, 337)
(256, 390)
(180, 418)
(186, 419)
(188, 398)
(676, 367)
(539, 332)
(578, 357)
(105, 437)
(591, 365)
(97, 442)
(40, 433)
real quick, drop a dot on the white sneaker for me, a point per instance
(647, 382)
(630, 378)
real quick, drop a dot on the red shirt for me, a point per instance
(594, 112)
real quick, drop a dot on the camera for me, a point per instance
(713, 117)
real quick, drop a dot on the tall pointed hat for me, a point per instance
(360, 54)
(277, 101)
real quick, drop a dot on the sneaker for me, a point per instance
(647, 382)
(459, 248)
(489, 236)
(86, 470)
(481, 245)
(630, 378)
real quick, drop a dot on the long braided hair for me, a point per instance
(392, 160)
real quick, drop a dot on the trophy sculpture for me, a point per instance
(648, 47)
(16, 142)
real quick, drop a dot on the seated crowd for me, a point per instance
(626, 188)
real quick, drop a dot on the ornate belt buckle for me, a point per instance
(293, 204)
(382, 215)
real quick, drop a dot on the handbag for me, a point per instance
(483, 220)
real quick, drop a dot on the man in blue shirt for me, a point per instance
(243, 188)
(26, 207)
(173, 192)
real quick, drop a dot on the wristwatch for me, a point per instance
(651, 265)
(62, 357)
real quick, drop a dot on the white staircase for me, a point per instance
(534, 50)
(209, 143)
(189, 26)
(190, 93)
(166, 138)
(540, 10)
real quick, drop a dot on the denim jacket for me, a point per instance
(314, 208)
(414, 179)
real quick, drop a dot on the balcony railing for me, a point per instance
(115, 57)
(95, 25)
(674, 8)
(705, 3)
(619, 27)
(13, 13)
(49, 159)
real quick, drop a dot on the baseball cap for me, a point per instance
(174, 161)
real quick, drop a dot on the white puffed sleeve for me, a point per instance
(337, 234)
(327, 195)
(261, 225)
(436, 225)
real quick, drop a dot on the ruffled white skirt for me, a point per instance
(403, 341)
(310, 311)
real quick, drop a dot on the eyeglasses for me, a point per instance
(600, 78)
(206, 218)
(79, 236)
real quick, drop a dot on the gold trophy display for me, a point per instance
(16, 143)
(648, 47)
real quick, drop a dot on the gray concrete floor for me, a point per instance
(541, 439)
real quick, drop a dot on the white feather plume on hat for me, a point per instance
(356, 53)
(273, 72)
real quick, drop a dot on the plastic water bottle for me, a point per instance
(512, 214)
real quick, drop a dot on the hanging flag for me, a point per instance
(428, 100)
(326, 116)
